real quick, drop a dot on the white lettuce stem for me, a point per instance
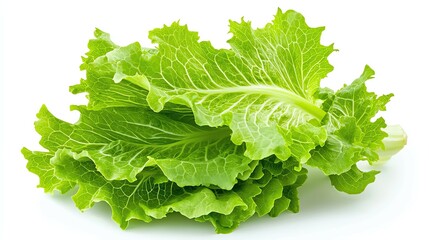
(393, 143)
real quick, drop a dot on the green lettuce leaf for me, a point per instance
(266, 93)
(39, 164)
(102, 66)
(148, 197)
(353, 181)
(353, 135)
(153, 196)
(216, 135)
(124, 141)
(271, 193)
(99, 46)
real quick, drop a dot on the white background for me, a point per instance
(42, 44)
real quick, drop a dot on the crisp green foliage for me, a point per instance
(353, 181)
(122, 142)
(217, 135)
(39, 163)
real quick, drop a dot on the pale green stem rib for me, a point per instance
(393, 143)
(213, 135)
(281, 94)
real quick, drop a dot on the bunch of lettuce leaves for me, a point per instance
(216, 135)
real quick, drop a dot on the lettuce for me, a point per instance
(216, 135)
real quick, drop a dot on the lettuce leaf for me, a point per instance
(265, 82)
(152, 195)
(40, 163)
(122, 142)
(217, 135)
(353, 134)
(262, 94)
